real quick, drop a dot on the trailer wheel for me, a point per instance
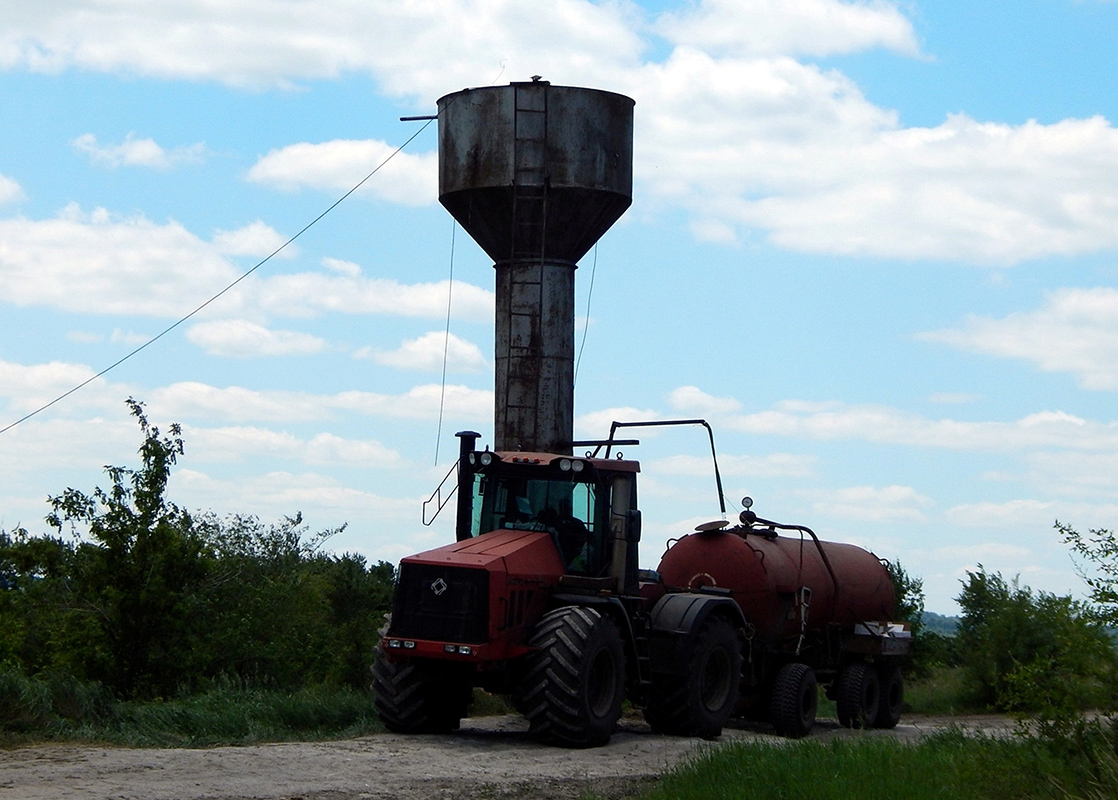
(794, 698)
(892, 695)
(416, 697)
(858, 697)
(701, 701)
(575, 682)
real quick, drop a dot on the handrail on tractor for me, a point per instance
(660, 423)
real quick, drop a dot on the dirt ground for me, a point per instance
(490, 757)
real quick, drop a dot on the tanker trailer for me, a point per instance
(817, 613)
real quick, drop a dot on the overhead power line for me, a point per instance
(257, 266)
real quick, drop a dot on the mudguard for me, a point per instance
(676, 619)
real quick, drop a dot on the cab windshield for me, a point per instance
(575, 513)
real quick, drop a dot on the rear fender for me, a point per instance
(675, 622)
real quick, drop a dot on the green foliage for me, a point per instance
(929, 649)
(1099, 548)
(149, 601)
(909, 593)
(1022, 651)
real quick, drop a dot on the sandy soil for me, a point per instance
(490, 757)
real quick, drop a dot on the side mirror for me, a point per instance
(634, 527)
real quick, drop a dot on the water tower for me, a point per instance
(536, 174)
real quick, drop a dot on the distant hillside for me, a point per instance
(938, 623)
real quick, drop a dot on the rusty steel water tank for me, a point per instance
(765, 575)
(536, 174)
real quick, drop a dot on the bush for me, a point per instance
(1022, 651)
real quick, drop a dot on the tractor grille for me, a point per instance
(441, 603)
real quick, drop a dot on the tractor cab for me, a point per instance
(587, 505)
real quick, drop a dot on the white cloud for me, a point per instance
(325, 501)
(239, 338)
(133, 152)
(267, 44)
(309, 294)
(254, 239)
(191, 400)
(427, 354)
(835, 421)
(871, 423)
(101, 263)
(1011, 514)
(981, 192)
(732, 127)
(790, 27)
(10, 190)
(325, 448)
(422, 402)
(873, 504)
(1074, 473)
(772, 465)
(339, 165)
(979, 553)
(798, 153)
(953, 398)
(29, 387)
(1076, 331)
(130, 338)
(347, 268)
(596, 424)
(84, 337)
(236, 444)
(693, 399)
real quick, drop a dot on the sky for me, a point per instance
(874, 243)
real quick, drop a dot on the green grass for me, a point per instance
(947, 765)
(240, 716)
(944, 691)
(61, 709)
(490, 705)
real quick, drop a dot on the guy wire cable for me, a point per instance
(258, 265)
(586, 322)
(446, 341)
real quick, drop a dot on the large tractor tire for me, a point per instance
(699, 702)
(858, 695)
(794, 699)
(892, 695)
(418, 697)
(575, 681)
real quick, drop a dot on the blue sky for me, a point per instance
(874, 243)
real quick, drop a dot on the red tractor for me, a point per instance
(541, 599)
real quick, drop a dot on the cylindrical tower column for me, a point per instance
(534, 399)
(535, 174)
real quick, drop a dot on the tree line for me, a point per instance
(138, 595)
